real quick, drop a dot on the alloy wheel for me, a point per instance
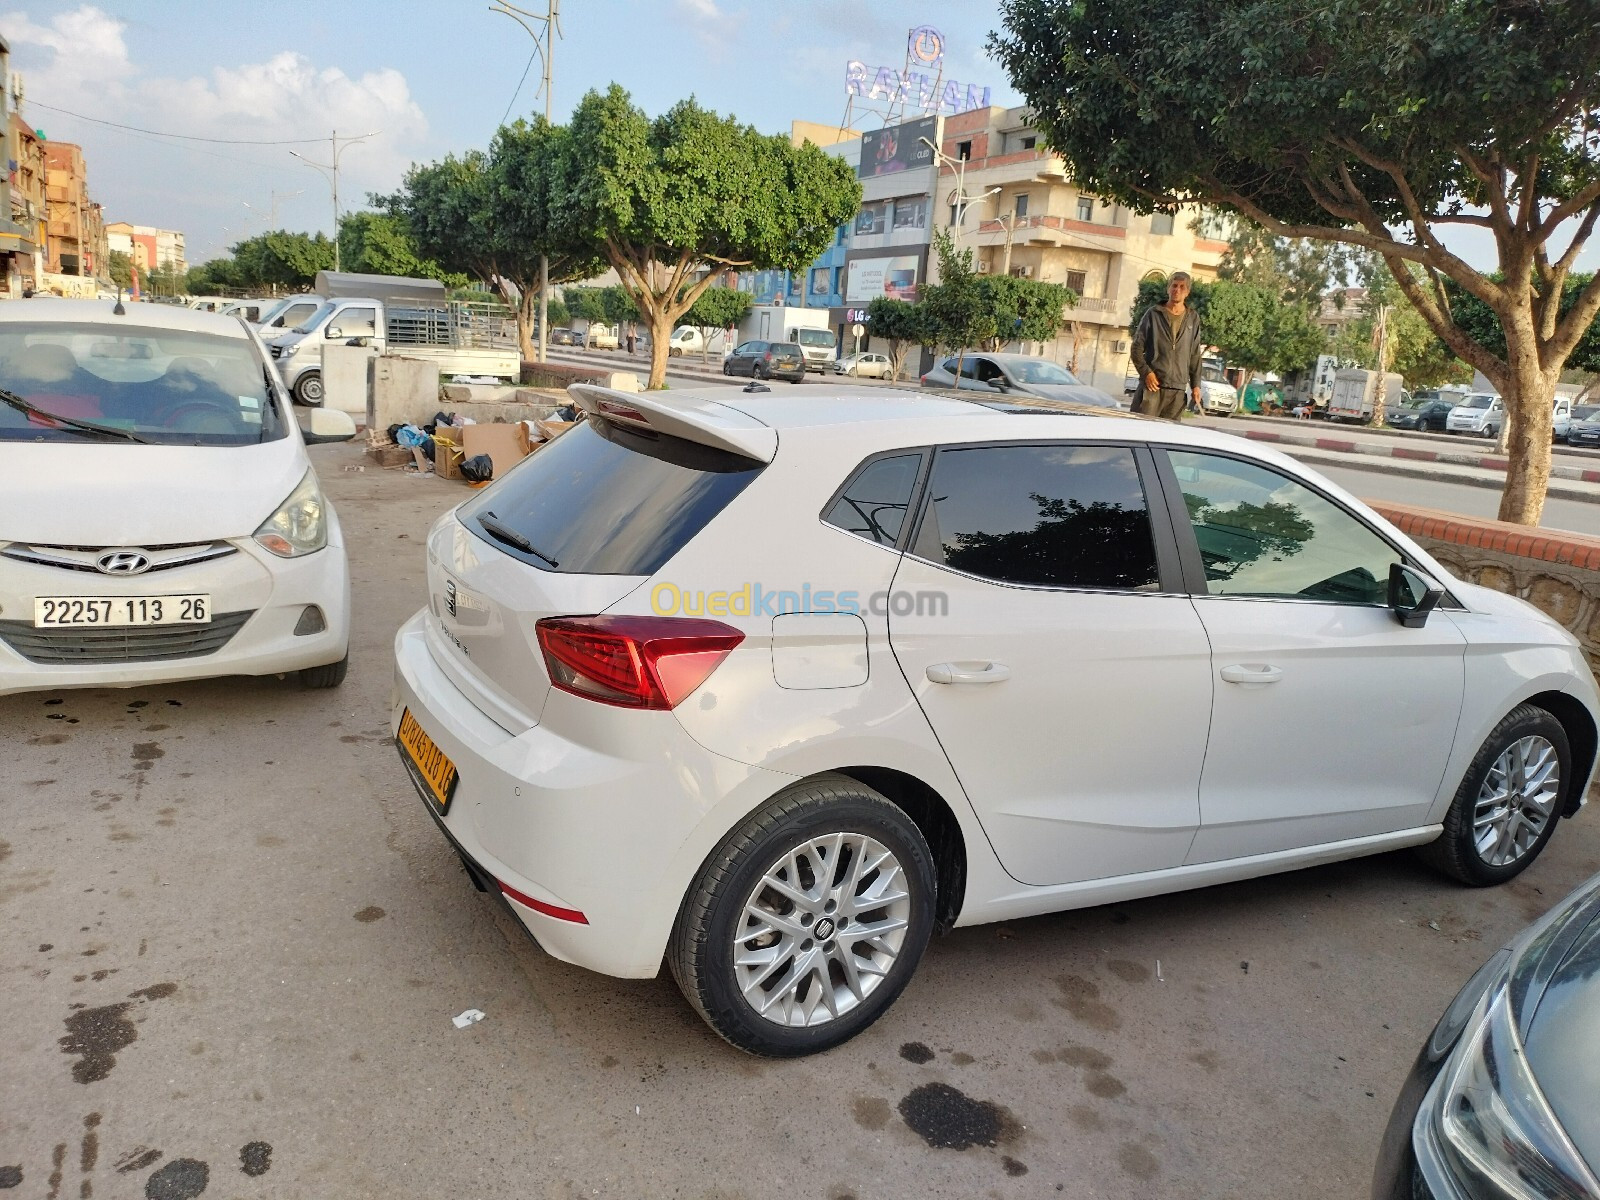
(1517, 801)
(821, 929)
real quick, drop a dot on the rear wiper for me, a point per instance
(502, 532)
(26, 408)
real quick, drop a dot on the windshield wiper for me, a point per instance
(502, 532)
(26, 408)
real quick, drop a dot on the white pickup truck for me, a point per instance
(409, 317)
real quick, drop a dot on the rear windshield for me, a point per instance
(607, 499)
(785, 348)
(115, 382)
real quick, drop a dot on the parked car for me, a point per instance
(766, 360)
(1585, 428)
(286, 315)
(1480, 413)
(867, 364)
(159, 517)
(1426, 410)
(660, 651)
(1218, 397)
(563, 336)
(1501, 1100)
(1015, 374)
(601, 337)
(1561, 419)
(690, 339)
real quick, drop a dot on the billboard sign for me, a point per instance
(868, 278)
(921, 85)
(897, 148)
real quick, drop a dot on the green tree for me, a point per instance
(617, 306)
(584, 304)
(1024, 310)
(488, 216)
(899, 323)
(1296, 271)
(956, 311)
(167, 280)
(670, 201)
(557, 312)
(716, 308)
(120, 267)
(1373, 123)
(380, 243)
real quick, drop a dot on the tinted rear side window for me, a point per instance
(604, 499)
(874, 503)
(1051, 516)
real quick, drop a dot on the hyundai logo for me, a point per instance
(122, 562)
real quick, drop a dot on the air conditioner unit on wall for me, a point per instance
(1119, 347)
(983, 268)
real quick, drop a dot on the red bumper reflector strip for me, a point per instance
(539, 906)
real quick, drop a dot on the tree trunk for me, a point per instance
(1528, 392)
(527, 313)
(661, 321)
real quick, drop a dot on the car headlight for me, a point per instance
(1494, 1131)
(300, 526)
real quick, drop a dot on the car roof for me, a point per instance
(137, 316)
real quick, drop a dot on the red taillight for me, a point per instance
(634, 662)
(768, 356)
(627, 412)
(924, 379)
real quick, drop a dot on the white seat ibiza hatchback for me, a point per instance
(772, 688)
(159, 517)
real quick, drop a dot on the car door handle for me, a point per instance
(1240, 673)
(966, 672)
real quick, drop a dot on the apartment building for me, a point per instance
(76, 225)
(146, 246)
(1024, 216)
(21, 190)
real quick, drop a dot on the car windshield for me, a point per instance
(311, 322)
(170, 386)
(1476, 401)
(1588, 412)
(1213, 372)
(815, 337)
(1039, 370)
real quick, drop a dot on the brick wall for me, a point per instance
(1556, 572)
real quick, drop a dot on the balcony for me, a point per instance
(1094, 304)
(1045, 230)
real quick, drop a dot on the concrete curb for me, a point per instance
(1558, 489)
(1484, 462)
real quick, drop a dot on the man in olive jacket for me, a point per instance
(1166, 354)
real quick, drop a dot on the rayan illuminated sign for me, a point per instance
(918, 86)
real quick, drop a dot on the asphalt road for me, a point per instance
(1379, 483)
(232, 942)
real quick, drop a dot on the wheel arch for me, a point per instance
(939, 826)
(1582, 736)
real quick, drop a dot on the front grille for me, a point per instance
(155, 643)
(83, 558)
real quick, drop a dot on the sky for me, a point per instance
(429, 77)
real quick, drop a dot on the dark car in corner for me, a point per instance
(1503, 1102)
(766, 360)
(1585, 428)
(1427, 412)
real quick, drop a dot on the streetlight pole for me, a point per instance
(331, 171)
(962, 201)
(544, 47)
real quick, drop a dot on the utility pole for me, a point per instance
(544, 47)
(331, 172)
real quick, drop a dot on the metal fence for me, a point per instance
(464, 324)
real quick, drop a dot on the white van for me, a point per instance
(1483, 413)
(689, 339)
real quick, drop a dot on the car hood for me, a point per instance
(1077, 393)
(122, 494)
(1563, 1040)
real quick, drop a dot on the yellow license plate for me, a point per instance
(435, 774)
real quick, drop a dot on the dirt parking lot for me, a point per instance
(232, 942)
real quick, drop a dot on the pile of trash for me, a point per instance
(444, 448)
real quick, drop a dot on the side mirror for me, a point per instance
(1412, 595)
(329, 425)
(1000, 383)
(334, 332)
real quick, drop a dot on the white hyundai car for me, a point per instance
(159, 517)
(772, 688)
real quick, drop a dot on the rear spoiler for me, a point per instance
(690, 418)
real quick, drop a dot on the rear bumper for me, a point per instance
(575, 817)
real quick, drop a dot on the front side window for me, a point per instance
(354, 323)
(1262, 534)
(98, 382)
(1043, 516)
(874, 503)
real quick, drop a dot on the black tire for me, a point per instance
(700, 954)
(329, 676)
(1456, 853)
(726, 370)
(757, 372)
(308, 389)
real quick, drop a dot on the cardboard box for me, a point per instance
(506, 445)
(550, 428)
(447, 454)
